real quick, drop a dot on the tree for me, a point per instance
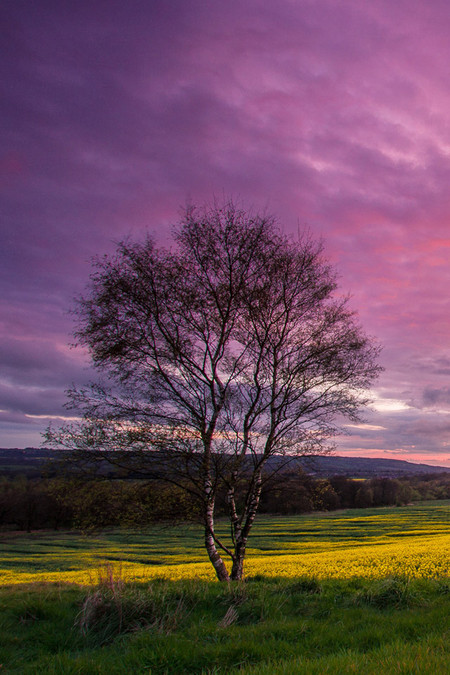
(227, 351)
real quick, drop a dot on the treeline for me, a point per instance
(54, 503)
(299, 492)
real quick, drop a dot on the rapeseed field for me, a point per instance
(413, 542)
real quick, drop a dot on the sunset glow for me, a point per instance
(332, 116)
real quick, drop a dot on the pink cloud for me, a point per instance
(331, 115)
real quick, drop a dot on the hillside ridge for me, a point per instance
(26, 459)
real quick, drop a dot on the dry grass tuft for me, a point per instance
(231, 616)
(112, 608)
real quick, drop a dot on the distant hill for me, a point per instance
(26, 461)
(366, 467)
(29, 461)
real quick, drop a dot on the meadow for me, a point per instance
(340, 592)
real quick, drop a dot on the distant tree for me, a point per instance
(27, 503)
(288, 493)
(385, 491)
(324, 496)
(346, 488)
(364, 496)
(227, 350)
(6, 501)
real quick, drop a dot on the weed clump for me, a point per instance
(112, 608)
(305, 585)
(391, 592)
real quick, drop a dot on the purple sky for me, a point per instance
(330, 114)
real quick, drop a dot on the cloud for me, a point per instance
(332, 115)
(435, 396)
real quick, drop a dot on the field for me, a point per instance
(330, 593)
(409, 541)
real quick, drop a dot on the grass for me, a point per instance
(265, 626)
(274, 622)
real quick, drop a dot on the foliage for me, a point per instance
(35, 504)
(90, 504)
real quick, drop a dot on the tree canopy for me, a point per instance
(228, 349)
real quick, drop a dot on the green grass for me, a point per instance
(268, 624)
(264, 626)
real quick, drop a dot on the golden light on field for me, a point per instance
(411, 542)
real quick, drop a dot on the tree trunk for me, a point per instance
(241, 533)
(237, 571)
(210, 544)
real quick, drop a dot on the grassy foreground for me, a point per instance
(383, 606)
(262, 626)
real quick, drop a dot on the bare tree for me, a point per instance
(226, 351)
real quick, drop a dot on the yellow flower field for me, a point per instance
(414, 543)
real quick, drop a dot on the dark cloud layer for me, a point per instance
(332, 115)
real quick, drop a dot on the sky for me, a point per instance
(334, 115)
